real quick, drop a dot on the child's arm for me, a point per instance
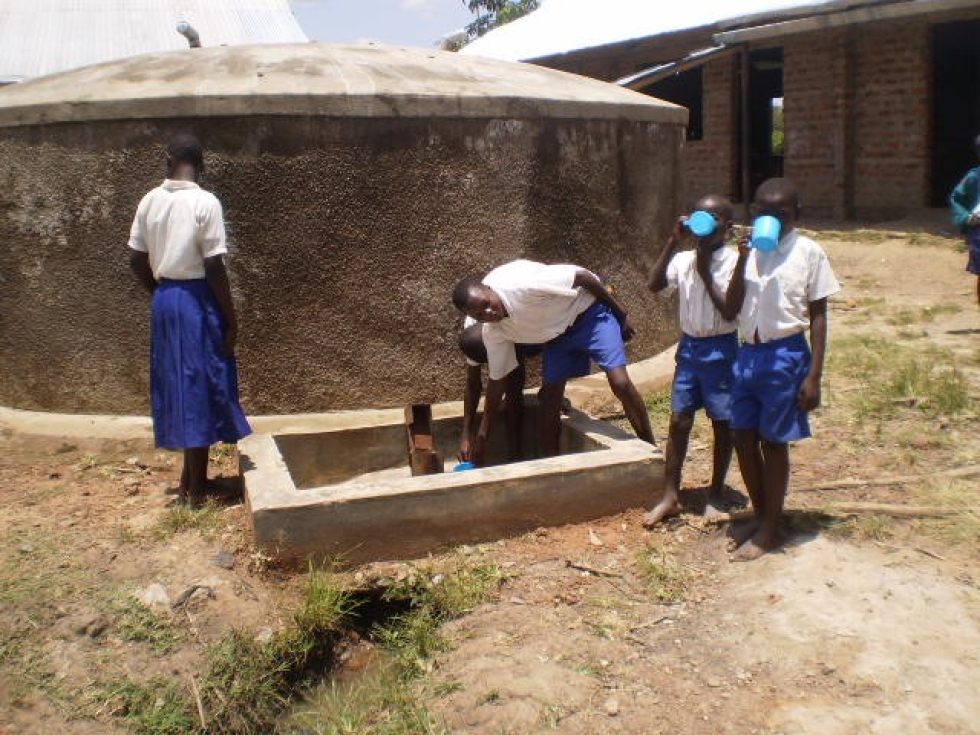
(658, 277)
(217, 278)
(139, 263)
(962, 201)
(735, 294)
(588, 281)
(809, 395)
(471, 400)
(491, 406)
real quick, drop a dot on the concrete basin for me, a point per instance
(343, 489)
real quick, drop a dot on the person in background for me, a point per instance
(965, 205)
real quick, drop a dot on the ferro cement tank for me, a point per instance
(359, 183)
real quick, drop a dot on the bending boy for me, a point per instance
(566, 307)
(781, 294)
(705, 353)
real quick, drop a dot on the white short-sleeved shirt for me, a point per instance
(178, 225)
(698, 315)
(780, 285)
(541, 304)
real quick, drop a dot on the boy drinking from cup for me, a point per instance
(706, 351)
(779, 290)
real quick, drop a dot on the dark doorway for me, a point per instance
(685, 89)
(956, 104)
(765, 116)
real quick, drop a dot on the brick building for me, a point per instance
(879, 101)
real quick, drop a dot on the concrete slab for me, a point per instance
(346, 493)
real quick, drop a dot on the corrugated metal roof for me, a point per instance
(39, 37)
(562, 26)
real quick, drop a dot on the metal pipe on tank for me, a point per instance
(187, 31)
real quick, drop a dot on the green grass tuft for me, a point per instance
(207, 520)
(155, 708)
(250, 683)
(666, 581)
(137, 622)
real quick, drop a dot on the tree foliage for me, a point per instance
(493, 13)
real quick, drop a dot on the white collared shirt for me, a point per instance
(541, 304)
(178, 225)
(780, 285)
(696, 312)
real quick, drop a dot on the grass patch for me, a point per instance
(382, 704)
(892, 376)
(665, 580)
(658, 407)
(207, 520)
(158, 707)
(137, 622)
(388, 700)
(960, 529)
(249, 683)
(863, 527)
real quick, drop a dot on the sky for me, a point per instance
(396, 22)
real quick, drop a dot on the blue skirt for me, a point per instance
(193, 386)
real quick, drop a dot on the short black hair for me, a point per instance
(471, 343)
(721, 205)
(782, 188)
(462, 291)
(186, 148)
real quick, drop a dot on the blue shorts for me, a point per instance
(595, 335)
(703, 376)
(973, 250)
(767, 380)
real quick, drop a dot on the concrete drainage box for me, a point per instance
(343, 489)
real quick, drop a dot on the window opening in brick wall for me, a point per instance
(684, 88)
(956, 104)
(776, 122)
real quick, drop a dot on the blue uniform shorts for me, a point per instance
(767, 380)
(973, 250)
(703, 376)
(595, 335)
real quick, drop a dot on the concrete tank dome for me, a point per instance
(359, 183)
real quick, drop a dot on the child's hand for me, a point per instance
(626, 329)
(679, 230)
(464, 450)
(808, 397)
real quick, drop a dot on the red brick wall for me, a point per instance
(892, 118)
(710, 163)
(815, 107)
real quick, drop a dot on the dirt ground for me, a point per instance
(864, 623)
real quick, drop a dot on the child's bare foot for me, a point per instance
(743, 532)
(716, 506)
(759, 545)
(663, 509)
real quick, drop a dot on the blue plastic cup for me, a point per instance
(765, 233)
(463, 466)
(701, 223)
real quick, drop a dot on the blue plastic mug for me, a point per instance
(701, 223)
(462, 466)
(765, 233)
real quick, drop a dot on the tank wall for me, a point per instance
(347, 236)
